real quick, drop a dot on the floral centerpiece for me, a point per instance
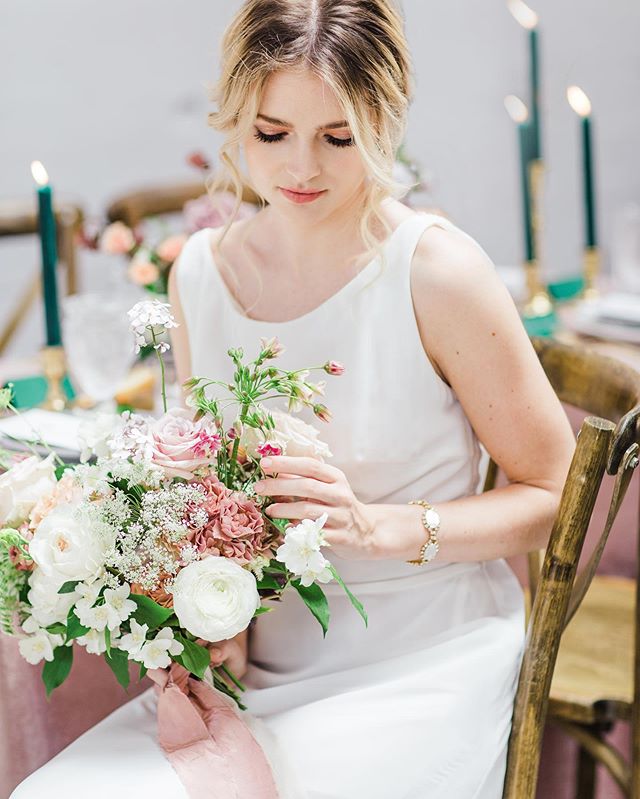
(156, 544)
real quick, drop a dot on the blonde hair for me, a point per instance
(357, 47)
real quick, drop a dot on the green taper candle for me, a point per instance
(47, 228)
(528, 18)
(517, 110)
(582, 106)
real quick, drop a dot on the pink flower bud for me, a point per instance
(322, 412)
(171, 247)
(198, 160)
(271, 347)
(333, 368)
(117, 239)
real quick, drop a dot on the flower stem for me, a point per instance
(164, 386)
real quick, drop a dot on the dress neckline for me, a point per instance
(354, 282)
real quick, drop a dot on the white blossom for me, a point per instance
(95, 641)
(119, 606)
(150, 319)
(155, 654)
(35, 648)
(134, 641)
(301, 554)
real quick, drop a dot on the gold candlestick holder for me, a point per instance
(538, 300)
(54, 368)
(591, 266)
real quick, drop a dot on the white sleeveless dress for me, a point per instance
(416, 706)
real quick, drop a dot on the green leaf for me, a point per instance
(268, 581)
(143, 671)
(195, 658)
(74, 628)
(314, 598)
(149, 612)
(118, 662)
(107, 640)
(57, 629)
(60, 470)
(354, 600)
(69, 587)
(56, 671)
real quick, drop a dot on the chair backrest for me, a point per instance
(134, 206)
(608, 442)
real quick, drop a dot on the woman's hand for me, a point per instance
(313, 488)
(232, 652)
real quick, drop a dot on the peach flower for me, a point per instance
(171, 248)
(117, 239)
(65, 492)
(142, 272)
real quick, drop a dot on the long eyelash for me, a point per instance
(274, 137)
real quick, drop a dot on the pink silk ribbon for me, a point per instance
(210, 747)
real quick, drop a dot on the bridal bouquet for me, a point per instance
(156, 544)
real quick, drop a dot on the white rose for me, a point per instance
(94, 435)
(48, 606)
(66, 546)
(215, 598)
(295, 437)
(22, 486)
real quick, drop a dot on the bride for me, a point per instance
(314, 94)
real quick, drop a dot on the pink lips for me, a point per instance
(300, 196)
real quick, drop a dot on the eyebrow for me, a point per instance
(342, 123)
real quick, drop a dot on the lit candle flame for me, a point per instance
(579, 101)
(526, 16)
(39, 173)
(516, 109)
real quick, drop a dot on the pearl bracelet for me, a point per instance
(431, 522)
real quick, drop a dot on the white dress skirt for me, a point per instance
(419, 704)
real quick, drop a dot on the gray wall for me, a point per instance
(113, 95)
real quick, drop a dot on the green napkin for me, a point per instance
(28, 392)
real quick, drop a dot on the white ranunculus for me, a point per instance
(66, 546)
(215, 598)
(301, 554)
(22, 486)
(48, 606)
(295, 437)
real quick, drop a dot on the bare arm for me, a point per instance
(179, 335)
(473, 335)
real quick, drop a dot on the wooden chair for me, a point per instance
(608, 441)
(134, 206)
(21, 219)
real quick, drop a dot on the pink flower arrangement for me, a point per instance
(205, 212)
(171, 247)
(142, 272)
(117, 239)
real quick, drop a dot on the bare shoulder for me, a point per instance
(453, 286)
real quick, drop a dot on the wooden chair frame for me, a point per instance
(608, 442)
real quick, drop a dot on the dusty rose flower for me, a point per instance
(117, 239)
(142, 272)
(333, 368)
(181, 446)
(235, 528)
(171, 248)
(158, 595)
(65, 492)
(205, 212)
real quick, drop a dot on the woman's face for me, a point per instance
(299, 141)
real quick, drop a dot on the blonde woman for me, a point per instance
(313, 95)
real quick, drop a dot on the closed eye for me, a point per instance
(275, 137)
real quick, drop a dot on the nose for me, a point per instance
(303, 164)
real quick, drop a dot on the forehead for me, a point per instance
(301, 98)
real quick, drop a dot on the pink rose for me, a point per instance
(205, 212)
(180, 445)
(171, 248)
(143, 273)
(235, 528)
(117, 239)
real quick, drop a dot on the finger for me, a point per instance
(302, 487)
(299, 465)
(296, 510)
